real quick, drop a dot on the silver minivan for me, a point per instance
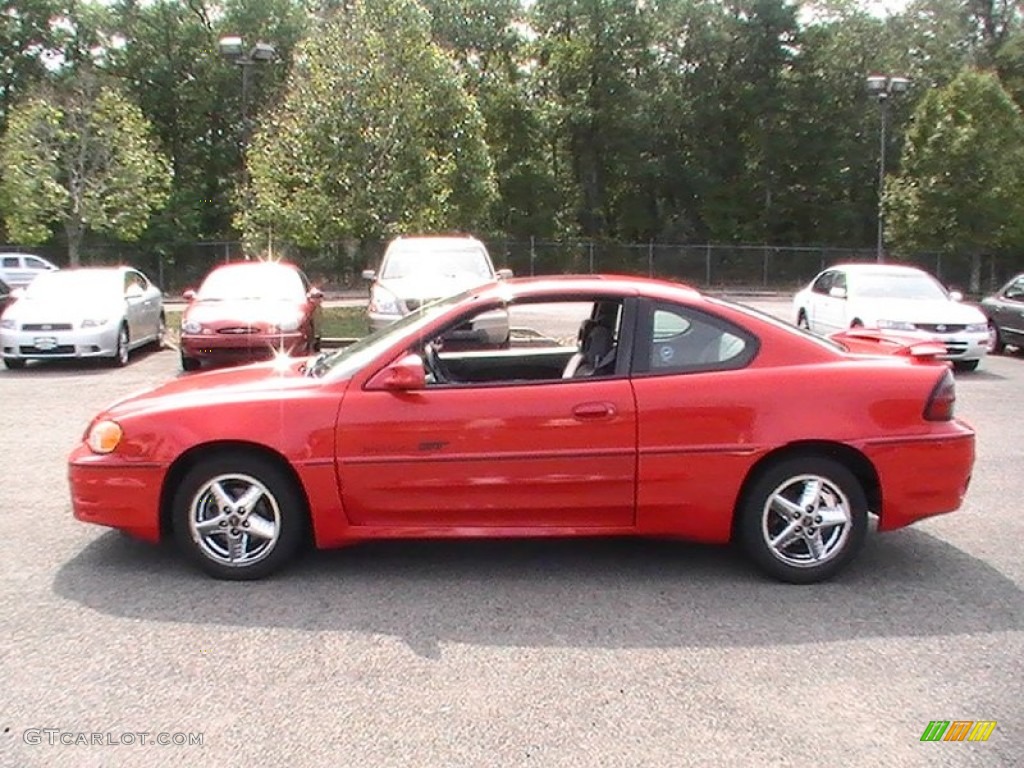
(421, 269)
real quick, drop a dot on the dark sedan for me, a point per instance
(1005, 312)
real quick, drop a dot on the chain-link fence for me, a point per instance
(710, 266)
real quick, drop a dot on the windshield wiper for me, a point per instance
(316, 369)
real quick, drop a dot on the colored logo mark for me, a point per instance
(958, 730)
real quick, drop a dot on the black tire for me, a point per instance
(161, 334)
(280, 510)
(14, 363)
(189, 363)
(122, 353)
(789, 479)
(996, 345)
(801, 321)
(966, 366)
(856, 323)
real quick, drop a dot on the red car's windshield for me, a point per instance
(252, 281)
(346, 361)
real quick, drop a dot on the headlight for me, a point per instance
(977, 328)
(93, 322)
(104, 436)
(191, 326)
(896, 325)
(287, 326)
(384, 302)
(8, 325)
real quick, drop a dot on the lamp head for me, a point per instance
(263, 52)
(877, 84)
(899, 84)
(231, 47)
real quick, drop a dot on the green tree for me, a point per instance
(961, 189)
(592, 57)
(487, 40)
(26, 37)
(170, 64)
(376, 135)
(80, 156)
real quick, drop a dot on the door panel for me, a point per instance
(546, 454)
(696, 436)
(1010, 313)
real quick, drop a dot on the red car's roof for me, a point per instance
(254, 264)
(584, 284)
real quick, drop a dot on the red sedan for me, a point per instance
(618, 406)
(247, 311)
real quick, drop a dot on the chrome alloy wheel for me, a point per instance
(806, 521)
(121, 353)
(235, 520)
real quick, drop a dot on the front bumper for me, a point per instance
(117, 494)
(378, 320)
(240, 346)
(963, 345)
(64, 344)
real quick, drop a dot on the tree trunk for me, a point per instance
(74, 230)
(975, 273)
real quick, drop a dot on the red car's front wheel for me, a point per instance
(239, 517)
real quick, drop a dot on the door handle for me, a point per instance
(594, 411)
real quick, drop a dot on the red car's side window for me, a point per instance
(677, 339)
(548, 341)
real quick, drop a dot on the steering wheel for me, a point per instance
(433, 364)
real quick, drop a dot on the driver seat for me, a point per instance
(596, 354)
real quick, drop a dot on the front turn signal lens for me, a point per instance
(104, 436)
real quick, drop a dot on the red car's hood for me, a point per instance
(277, 378)
(243, 311)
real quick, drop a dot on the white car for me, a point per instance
(100, 312)
(20, 269)
(418, 270)
(892, 297)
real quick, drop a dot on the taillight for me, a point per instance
(942, 399)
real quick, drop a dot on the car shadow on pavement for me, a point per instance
(980, 375)
(86, 366)
(585, 593)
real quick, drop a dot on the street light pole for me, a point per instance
(233, 48)
(883, 87)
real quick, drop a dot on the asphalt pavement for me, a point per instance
(479, 654)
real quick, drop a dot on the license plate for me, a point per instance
(46, 342)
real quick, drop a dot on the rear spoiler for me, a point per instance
(872, 341)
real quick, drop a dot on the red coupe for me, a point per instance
(617, 406)
(250, 310)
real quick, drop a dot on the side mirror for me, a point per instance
(405, 375)
(504, 274)
(315, 294)
(956, 296)
(837, 292)
(369, 274)
(189, 295)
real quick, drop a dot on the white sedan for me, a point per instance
(100, 312)
(892, 297)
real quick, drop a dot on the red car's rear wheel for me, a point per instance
(804, 519)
